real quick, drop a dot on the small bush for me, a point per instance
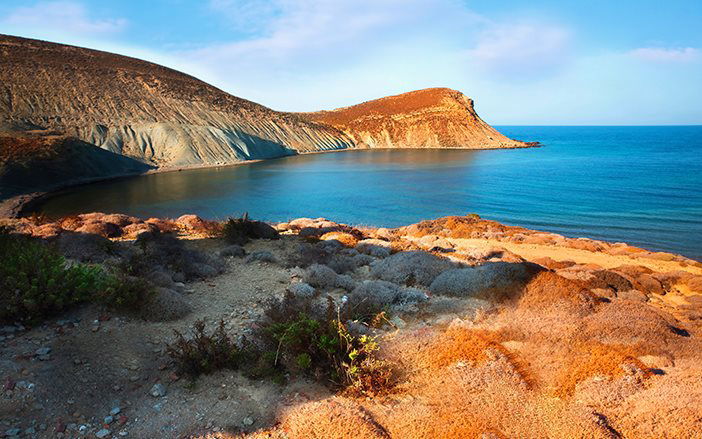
(37, 282)
(125, 292)
(204, 353)
(240, 230)
(317, 343)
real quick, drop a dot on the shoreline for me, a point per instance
(20, 205)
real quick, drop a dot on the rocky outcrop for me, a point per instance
(430, 118)
(39, 161)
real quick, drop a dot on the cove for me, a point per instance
(641, 185)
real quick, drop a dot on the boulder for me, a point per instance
(108, 230)
(411, 268)
(493, 280)
(166, 305)
(234, 250)
(382, 293)
(374, 247)
(301, 289)
(261, 256)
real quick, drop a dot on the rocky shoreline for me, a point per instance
(494, 330)
(24, 204)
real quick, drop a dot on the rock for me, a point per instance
(248, 421)
(204, 270)
(261, 256)
(42, 351)
(398, 322)
(233, 250)
(374, 247)
(166, 305)
(382, 293)
(108, 419)
(192, 222)
(321, 276)
(160, 278)
(493, 280)
(120, 219)
(139, 228)
(107, 230)
(13, 432)
(633, 295)
(301, 289)
(410, 268)
(102, 433)
(610, 279)
(115, 411)
(158, 390)
(86, 247)
(261, 230)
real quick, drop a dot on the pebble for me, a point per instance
(12, 432)
(42, 351)
(248, 421)
(102, 433)
(115, 411)
(108, 420)
(158, 390)
(123, 433)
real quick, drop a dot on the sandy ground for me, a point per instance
(552, 364)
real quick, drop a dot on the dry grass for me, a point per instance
(547, 288)
(590, 359)
(335, 418)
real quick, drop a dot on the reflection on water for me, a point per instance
(637, 184)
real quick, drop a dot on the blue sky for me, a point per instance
(524, 62)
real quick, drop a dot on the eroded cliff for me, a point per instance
(429, 118)
(143, 110)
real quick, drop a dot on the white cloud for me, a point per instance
(49, 19)
(657, 54)
(507, 49)
(320, 53)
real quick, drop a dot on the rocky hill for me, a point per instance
(163, 119)
(40, 161)
(143, 110)
(430, 118)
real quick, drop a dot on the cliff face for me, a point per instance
(143, 110)
(430, 118)
(39, 161)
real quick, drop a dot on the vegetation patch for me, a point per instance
(294, 338)
(590, 359)
(37, 282)
(241, 230)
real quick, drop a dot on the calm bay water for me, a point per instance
(642, 185)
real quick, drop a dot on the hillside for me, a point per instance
(429, 118)
(41, 161)
(162, 119)
(143, 110)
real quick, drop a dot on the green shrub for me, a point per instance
(122, 291)
(241, 230)
(37, 282)
(319, 344)
(291, 340)
(237, 230)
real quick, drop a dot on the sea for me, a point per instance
(636, 184)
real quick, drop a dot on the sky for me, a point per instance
(538, 62)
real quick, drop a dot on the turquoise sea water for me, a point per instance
(642, 185)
